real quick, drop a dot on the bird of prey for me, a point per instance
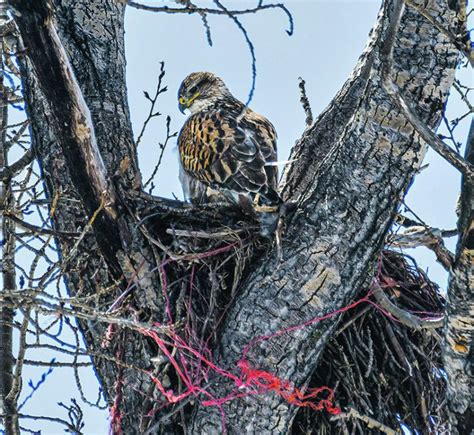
(225, 146)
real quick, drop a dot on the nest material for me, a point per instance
(380, 368)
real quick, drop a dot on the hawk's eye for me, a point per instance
(193, 90)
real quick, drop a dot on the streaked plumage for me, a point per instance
(224, 145)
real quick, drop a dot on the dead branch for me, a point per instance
(305, 102)
(432, 238)
(371, 423)
(72, 119)
(404, 316)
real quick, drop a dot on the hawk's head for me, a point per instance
(199, 90)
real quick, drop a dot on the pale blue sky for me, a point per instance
(328, 39)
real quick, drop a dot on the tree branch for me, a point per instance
(71, 119)
(404, 316)
(431, 238)
(347, 191)
(371, 423)
(403, 104)
(7, 232)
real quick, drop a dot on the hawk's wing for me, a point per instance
(230, 149)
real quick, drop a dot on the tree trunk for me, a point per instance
(353, 165)
(367, 157)
(458, 346)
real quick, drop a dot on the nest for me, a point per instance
(377, 367)
(382, 369)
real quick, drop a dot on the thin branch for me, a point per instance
(249, 45)
(229, 234)
(212, 11)
(18, 166)
(151, 113)
(162, 146)
(38, 230)
(58, 364)
(42, 306)
(305, 102)
(8, 402)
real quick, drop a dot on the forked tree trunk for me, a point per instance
(353, 165)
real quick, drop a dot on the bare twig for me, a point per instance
(213, 11)
(162, 147)
(219, 235)
(38, 230)
(305, 102)
(152, 113)
(371, 422)
(18, 166)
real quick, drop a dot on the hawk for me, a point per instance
(225, 146)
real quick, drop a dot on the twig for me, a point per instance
(162, 151)
(205, 235)
(371, 423)
(305, 102)
(249, 45)
(151, 113)
(41, 305)
(38, 230)
(17, 166)
(211, 11)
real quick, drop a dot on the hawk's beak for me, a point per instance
(182, 104)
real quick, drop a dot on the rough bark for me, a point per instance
(458, 347)
(353, 166)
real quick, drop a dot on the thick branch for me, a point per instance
(71, 119)
(397, 94)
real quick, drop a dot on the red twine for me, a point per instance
(193, 366)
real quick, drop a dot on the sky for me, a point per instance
(329, 36)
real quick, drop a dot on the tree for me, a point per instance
(188, 305)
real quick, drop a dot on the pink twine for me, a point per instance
(193, 366)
